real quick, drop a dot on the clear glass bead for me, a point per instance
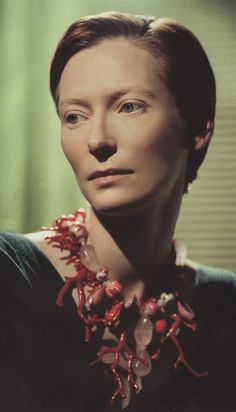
(127, 389)
(89, 258)
(140, 368)
(143, 331)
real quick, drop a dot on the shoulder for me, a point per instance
(214, 303)
(54, 255)
(16, 248)
(21, 260)
(215, 284)
(214, 293)
(12, 240)
(31, 255)
(209, 274)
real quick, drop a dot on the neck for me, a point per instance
(134, 249)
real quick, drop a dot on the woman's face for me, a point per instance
(120, 130)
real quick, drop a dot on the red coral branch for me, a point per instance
(120, 348)
(172, 335)
(77, 280)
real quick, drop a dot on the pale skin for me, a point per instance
(116, 113)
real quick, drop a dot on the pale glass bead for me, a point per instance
(127, 389)
(143, 331)
(141, 369)
(89, 258)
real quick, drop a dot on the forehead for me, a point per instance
(115, 63)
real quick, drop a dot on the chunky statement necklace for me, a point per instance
(102, 305)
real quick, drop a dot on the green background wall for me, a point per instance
(35, 181)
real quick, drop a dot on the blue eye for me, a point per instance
(130, 107)
(73, 118)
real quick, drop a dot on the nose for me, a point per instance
(101, 144)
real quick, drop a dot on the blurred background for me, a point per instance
(36, 182)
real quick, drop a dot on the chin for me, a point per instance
(124, 205)
(113, 208)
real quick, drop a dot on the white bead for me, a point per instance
(143, 331)
(89, 258)
(102, 275)
(165, 298)
(141, 369)
(76, 230)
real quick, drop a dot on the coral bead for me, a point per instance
(185, 311)
(161, 326)
(113, 288)
(113, 314)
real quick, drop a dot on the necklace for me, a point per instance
(101, 305)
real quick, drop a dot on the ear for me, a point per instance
(203, 139)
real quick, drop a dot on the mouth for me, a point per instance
(109, 173)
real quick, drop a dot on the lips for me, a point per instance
(109, 172)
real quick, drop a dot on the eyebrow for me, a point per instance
(111, 98)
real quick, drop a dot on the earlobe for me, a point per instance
(202, 140)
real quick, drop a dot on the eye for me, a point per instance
(73, 118)
(130, 107)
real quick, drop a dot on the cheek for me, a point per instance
(158, 146)
(162, 141)
(71, 149)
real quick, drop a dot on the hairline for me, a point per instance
(137, 41)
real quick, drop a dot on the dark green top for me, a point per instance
(44, 360)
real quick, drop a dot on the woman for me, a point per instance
(114, 311)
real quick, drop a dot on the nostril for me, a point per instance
(103, 153)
